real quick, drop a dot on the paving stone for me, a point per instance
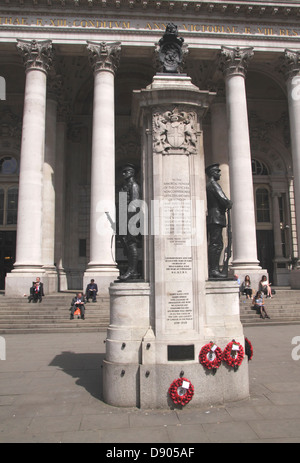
(277, 429)
(50, 391)
(232, 432)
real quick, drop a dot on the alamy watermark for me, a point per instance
(2, 88)
(2, 348)
(159, 217)
(296, 350)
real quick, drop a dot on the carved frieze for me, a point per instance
(174, 131)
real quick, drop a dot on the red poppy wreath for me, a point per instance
(233, 354)
(210, 356)
(181, 391)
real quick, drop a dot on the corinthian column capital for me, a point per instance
(104, 56)
(36, 54)
(290, 65)
(234, 61)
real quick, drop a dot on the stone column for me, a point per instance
(37, 58)
(291, 68)
(60, 204)
(104, 58)
(49, 173)
(233, 63)
(219, 131)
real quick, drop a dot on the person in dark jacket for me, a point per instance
(217, 204)
(91, 291)
(36, 291)
(78, 303)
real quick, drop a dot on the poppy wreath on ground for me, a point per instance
(181, 391)
(210, 356)
(248, 349)
(233, 354)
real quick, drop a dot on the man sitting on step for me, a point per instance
(78, 303)
(91, 291)
(36, 291)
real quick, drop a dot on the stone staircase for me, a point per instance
(52, 315)
(283, 308)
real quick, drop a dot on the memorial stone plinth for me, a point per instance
(159, 326)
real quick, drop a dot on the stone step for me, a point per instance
(52, 329)
(283, 307)
(51, 315)
(63, 326)
(46, 319)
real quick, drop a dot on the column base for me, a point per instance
(50, 279)
(19, 282)
(255, 273)
(62, 280)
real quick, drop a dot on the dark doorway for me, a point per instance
(265, 250)
(7, 254)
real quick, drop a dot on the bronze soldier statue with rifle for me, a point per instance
(217, 205)
(130, 241)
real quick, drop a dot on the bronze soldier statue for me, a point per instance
(217, 204)
(129, 241)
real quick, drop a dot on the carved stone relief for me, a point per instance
(174, 131)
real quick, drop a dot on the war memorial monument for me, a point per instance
(162, 321)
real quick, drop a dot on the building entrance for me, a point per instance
(7, 254)
(265, 250)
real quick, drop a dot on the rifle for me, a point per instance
(121, 238)
(112, 223)
(113, 226)
(227, 252)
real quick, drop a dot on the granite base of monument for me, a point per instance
(139, 366)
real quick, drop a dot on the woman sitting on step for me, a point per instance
(258, 302)
(265, 286)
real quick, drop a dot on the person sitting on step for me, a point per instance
(258, 302)
(78, 303)
(36, 291)
(91, 291)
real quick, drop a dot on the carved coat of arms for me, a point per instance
(174, 132)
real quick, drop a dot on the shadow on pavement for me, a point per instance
(86, 368)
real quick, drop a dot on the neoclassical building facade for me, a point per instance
(70, 69)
